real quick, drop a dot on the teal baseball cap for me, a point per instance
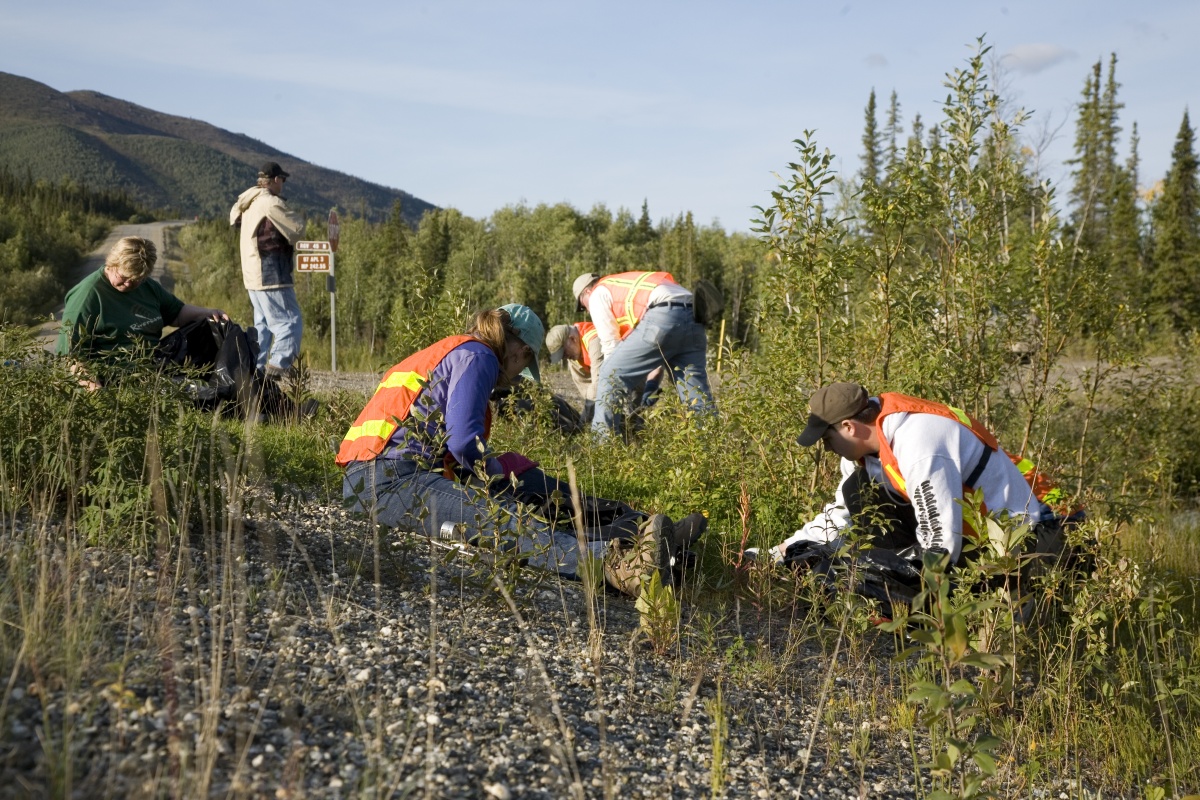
(531, 331)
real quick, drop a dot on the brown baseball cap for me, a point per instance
(828, 406)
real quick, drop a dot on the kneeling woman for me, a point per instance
(411, 456)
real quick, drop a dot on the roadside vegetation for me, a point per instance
(945, 269)
(45, 231)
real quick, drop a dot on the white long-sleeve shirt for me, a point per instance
(934, 454)
(600, 309)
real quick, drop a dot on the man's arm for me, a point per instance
(827, 525)
(934, 485)
(600, 310)
(289, 224)
(596, 353)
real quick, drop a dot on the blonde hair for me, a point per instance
(493, 327)
(263, 180)
(132, 257)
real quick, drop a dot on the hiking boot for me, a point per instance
(629, 563)
(309, 408)
(688, 530)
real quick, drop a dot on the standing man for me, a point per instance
(644, 320)
(269, 229)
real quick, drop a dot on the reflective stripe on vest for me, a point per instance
(587, 335)
(631, 295)
(392, 401)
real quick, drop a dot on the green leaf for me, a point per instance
(956, 636)
(927, 637)
(923, 690)
(986, 661)
(988, 743)
(986, 763)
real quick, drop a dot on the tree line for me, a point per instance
(46, 229)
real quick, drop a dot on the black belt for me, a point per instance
(669, 304)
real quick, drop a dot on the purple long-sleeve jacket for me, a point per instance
(449, 413)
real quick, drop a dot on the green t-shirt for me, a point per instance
(99, 320)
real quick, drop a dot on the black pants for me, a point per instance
(886, 521)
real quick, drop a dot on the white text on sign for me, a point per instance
(313, 257)
(315, 262)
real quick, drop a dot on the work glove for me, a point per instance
(510, 465)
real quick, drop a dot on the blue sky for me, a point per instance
(688, 105)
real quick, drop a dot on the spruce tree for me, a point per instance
(893, 131)
(1176, 216)
(871, 140)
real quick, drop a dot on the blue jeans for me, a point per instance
(400, 493)
(664, 336)
(277, 319)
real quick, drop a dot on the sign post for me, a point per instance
(318, 257)
(331, 284)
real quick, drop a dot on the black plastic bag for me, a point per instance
(877, 573)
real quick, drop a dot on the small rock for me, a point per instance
(498, 791)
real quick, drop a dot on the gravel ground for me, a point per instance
(269, 663)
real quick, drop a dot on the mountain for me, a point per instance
(182, 166)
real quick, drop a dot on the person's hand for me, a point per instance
(513, 464)
(217, 314)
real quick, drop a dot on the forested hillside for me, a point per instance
(181, 166)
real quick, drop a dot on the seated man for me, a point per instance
(119, 311)
(906, 465)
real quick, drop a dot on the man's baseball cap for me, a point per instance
(272, 170)
(555, 340)
(828, 406)
(531, 331)
(582, 282)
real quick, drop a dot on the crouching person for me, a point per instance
(416, 453)
(907, 465)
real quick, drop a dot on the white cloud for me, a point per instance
(876, 60)
(1030, 59)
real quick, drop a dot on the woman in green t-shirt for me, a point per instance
(119, 311)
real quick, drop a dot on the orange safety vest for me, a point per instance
(393, 400)
(631, 295)
(893, 403)
(587, 335)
